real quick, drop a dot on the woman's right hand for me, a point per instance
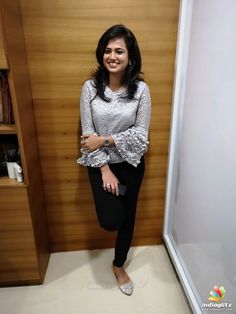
(110, 181)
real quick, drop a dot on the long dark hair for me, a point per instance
(132, 73)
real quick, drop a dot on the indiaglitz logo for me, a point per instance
(217, 295)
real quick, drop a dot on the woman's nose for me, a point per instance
(113, 55)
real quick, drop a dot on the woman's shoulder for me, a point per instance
(89, 84)
(142, 86)
(88, 89)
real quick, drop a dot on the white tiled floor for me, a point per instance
(82, 282)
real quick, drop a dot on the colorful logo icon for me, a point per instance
(217, 295)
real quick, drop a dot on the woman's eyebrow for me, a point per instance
(117, 48)
(120, 49)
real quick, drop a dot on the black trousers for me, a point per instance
(118, 212)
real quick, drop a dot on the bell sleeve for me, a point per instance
(98, 157)
(132, 143)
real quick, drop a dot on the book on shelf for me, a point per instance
(6, 111)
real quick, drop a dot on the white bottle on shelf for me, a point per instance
(18, 172)
(11, 170)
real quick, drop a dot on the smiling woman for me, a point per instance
(115, 112)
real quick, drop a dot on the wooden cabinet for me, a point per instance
(24, 251)
(18, 261)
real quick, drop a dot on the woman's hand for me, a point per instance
(91, 142)
(110, 181)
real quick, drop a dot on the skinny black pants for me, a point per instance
(117, 213)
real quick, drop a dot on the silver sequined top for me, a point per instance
(127, 121)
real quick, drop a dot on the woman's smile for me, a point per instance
(113, 63)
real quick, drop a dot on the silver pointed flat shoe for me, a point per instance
(126, 288)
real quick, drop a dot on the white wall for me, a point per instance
(200, 221)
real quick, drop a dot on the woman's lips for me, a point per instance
(113, 64)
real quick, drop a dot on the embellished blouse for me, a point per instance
(127, 121)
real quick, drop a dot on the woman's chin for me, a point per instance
(115, 70)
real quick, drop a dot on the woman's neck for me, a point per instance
(114, 82)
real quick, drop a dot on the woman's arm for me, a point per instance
(97, 157)
(133, 142)
(110, 181)
(92, 142)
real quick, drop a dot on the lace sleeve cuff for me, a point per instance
(132, 144)
(96, 158)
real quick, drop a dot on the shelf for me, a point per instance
(7, 129)
(10, 183)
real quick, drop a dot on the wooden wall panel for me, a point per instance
(61, 38)
(17, 246)
(3, 58)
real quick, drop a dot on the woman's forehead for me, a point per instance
(117, 43)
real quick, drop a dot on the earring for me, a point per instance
(130, 62)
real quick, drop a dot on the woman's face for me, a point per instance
(116, 58)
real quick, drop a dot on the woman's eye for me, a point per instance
(119, 52)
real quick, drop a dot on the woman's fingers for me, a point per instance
(82, 141)
(116, 190)
(83, 138)
(111, 187)
(108, 187)
(110, 181)
(90, 142)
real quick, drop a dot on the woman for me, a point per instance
(115, 113)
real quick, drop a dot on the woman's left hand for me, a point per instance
(91, 142)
